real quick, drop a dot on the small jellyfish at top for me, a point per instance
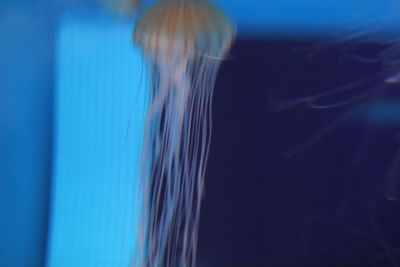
(184, 43)
(122, 7)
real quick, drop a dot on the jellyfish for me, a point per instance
(122, 7)
(372, 98)
(184, 43)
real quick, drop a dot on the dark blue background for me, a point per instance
(325, 206)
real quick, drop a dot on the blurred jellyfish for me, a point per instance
(122, 7)
(363, 96)
(360, 99)
(184, 42)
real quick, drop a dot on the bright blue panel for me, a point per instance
(100, 105)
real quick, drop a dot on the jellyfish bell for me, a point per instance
(181, 30)
(184, 26)
(183, 42)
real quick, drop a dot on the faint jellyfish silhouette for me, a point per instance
(122, 7)
(362, 96)
(360, 100)
(184, 42)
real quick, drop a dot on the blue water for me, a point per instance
(71, 114)
(310, 18)
(100, 103)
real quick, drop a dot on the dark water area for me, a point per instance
(268, 202)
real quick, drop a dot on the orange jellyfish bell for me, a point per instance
(186, 27)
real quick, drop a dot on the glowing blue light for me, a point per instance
(100, 103)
